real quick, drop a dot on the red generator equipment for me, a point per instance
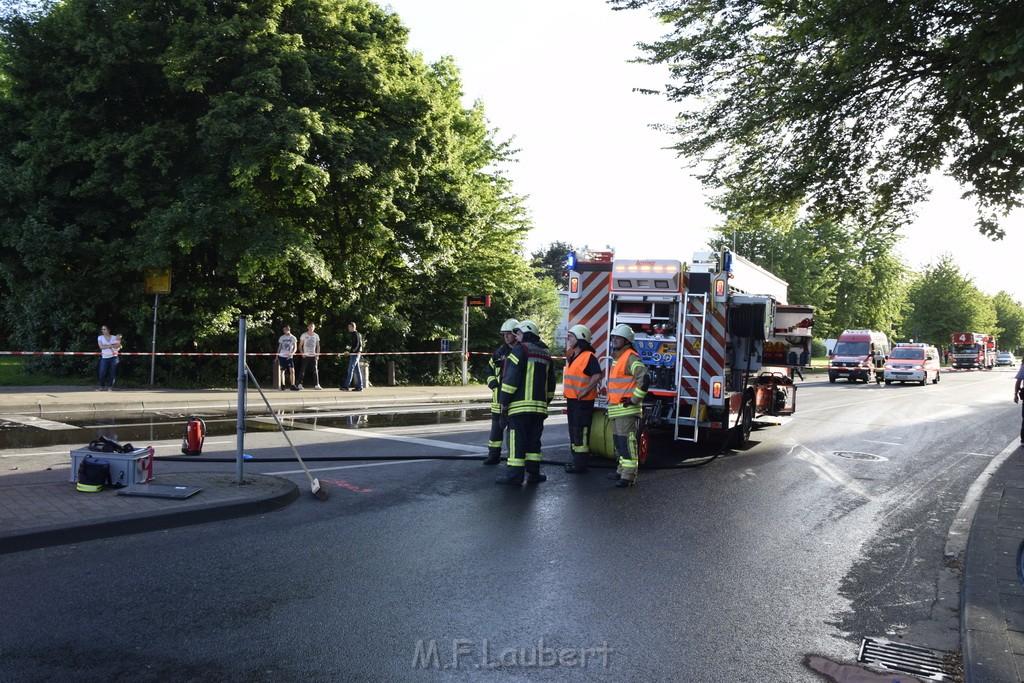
(195, 435)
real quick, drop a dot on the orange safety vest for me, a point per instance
(622, 384)
(575, 381)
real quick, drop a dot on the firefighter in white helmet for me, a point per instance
(627, 386)
(527, 388)
(582, 377)
(496, 363)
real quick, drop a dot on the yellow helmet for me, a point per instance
(623, 330)
(581, 332)
(509, 325)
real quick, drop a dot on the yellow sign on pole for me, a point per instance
(158, 281)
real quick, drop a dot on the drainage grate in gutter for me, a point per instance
(854, 455)
(910, 659)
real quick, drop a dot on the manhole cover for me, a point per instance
(854, 455)
(910, 659)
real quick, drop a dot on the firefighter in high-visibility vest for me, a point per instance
(581, 379)
(527, 388)
(627, 386)
(497, 363)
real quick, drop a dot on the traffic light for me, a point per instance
(478, 300)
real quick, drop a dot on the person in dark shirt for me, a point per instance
(355, 349)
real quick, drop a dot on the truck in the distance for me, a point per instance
(970, 350)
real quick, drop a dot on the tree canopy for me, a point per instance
(943, 301)
(846, 107)
(289, 160)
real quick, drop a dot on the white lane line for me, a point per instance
(365, 433)
(37, 422)
(350, 467)
(884, 443)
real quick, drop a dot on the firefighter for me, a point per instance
(497, 364)
(527, 388)
(627, 386)
(582, 377)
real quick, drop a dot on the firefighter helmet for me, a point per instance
(580, 332)
(509, 325)
(623, 330)
(527, 326)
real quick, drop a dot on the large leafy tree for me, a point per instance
(1010, 322)
(846, 105)
(943, 301)
(289, 160)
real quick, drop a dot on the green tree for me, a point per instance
(945, 301)
(1010, 321)
(847, 106)
(289, 160)
(550, 262)
(847, 273)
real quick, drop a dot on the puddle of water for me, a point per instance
(142, 429)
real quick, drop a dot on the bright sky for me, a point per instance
(554, 75)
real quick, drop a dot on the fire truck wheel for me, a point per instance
(741, 432)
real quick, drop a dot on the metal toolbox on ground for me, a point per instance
(125, 468)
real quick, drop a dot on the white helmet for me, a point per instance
(623, 330)
(509, 325)
(527, 326)
(580, 332)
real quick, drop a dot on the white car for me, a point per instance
(1005, 358)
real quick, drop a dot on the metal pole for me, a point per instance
(240, 419)
(465, 339)
(152, 356)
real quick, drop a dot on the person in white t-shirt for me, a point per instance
(309, 342)
(286, 345)
(110, 345)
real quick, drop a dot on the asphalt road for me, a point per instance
(826, 529)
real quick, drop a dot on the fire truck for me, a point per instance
(716, 335)
(970, 350)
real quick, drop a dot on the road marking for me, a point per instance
(350, 467)
(884, 443)
(366, 433)
(37, 422)
(825, 469)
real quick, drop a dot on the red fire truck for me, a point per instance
(969, 350)
(716, 335)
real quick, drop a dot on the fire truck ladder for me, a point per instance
(691, 355)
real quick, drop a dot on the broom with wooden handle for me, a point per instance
(318, 489)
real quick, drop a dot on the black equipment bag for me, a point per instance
(93, 474)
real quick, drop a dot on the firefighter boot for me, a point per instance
(622, 450)
(578, 464)
(511, 475)
(493, 456)
(533, 475)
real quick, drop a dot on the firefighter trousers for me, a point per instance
(624, 431)
(525, 430)
(498, 424)
(580, 414)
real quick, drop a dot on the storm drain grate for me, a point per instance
(910, 659)
(854, 455)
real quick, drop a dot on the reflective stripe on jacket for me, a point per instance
(576, 379)
(528, 385)
(624, 380)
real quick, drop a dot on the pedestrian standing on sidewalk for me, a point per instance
(309, 342)
(286, 345)
(582, 377)
(527, 390)
(355, 349)
(1017, 397)
(110, 346)
(497, 363)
